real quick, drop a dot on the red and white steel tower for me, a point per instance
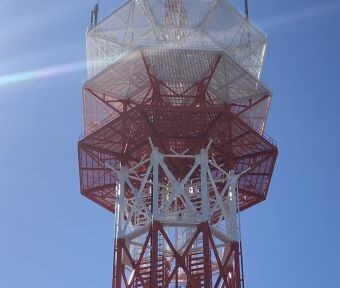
(174, 142)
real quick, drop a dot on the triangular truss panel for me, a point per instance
(234, 84)
(124, 79)
(241, 40)
(95, 110)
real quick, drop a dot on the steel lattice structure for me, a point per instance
(174, 143)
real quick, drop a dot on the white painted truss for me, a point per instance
(206, 193)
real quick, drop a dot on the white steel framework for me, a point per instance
(182, 202)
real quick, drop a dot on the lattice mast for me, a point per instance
(174, 140)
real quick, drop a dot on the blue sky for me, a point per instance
(50, 236)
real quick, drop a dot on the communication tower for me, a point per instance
(174, 143)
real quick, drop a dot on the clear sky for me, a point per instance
(50, 236)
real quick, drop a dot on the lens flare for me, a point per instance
(42, 73)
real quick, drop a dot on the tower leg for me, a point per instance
(206, 255)
(118, 269)
(154, 255)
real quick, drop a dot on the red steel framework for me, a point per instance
(174, 141)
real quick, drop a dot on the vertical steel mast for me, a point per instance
(174, 143)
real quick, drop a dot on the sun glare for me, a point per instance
(41, 73)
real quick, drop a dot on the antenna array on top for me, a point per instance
(94, 15)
